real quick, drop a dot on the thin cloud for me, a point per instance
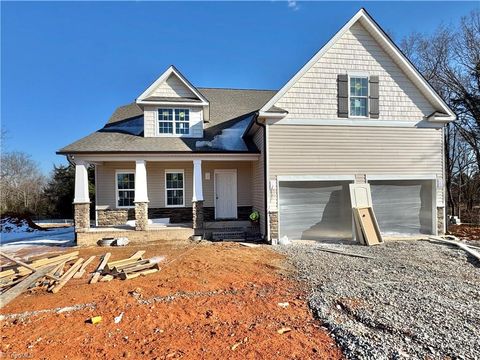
(292, 4)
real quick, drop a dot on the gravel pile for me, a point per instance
(414, 300)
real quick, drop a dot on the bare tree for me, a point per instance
(21, 183)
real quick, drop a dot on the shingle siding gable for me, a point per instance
(314, 95)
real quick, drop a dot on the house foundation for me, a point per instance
(82, 216)
(197, 213)
(141, 216)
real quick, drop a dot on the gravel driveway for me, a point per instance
(414, 300)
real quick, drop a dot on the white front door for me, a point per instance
(225, 194)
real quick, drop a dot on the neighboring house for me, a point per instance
(357, 112)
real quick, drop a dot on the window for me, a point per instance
(125, 189)
(358, 96)
(167, 118)
(174, 188)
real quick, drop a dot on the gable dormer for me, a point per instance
(173, 107)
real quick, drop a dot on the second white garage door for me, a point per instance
(315, 210)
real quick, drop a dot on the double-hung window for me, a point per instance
(358, 96)
(125, 182)
(174, 189)
(174, 121)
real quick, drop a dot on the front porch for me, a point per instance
(174, 199)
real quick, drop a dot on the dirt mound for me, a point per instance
(16, 223)
(465, 232)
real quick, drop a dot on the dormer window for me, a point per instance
(358, 96)
(174, 121)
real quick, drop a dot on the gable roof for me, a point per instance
(171, 71)
(392, 50)
(227, 108)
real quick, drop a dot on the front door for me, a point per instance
(225, 194)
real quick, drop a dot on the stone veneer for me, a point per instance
(141, 216)
(111, 217)
(273, 225)
(197, 215)
(440, 220)
(82, 217)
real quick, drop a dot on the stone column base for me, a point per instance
(441, 220)
(197, 213)
(141, 215)
(273, 217)
(82, 217)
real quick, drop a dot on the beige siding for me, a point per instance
(106, 195)
(331, 150)
(314, 95)
(151, 121)
(244, 173)
(258, 180)
(173, 87)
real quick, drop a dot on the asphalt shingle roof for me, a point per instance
(227, 107)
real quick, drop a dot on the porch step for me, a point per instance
(229, 234)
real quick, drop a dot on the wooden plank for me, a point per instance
(461, 245)
(12, 293)
(334, 251)
(119, 268)
(67, 276)
(25, 265)
(358, 228)
(40, 263)
(100, 268)
(107, 278)
(139, 268)
(82, 270)
(140, 273)
(132, 259)
(369, 226)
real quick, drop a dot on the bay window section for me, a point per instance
(125, 189)
(358, 96)
(174, 188)
(174, 121)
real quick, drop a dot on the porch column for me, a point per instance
(197, 199)
(81, 202)
(141, 196)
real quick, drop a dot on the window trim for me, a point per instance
(359, 75)
(123, 171)
(174, 171)
(174, 128)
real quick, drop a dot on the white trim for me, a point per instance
(400, 177)
(197, 181)
(171, 103)
(163, 77)
(316, 178)
(224, 171)
(368, 22)
(174, 171)
(123, 171)
(95, 166)
(82, 195)
(266, 114)
(358, 122)
(168, 157)
(141, 185)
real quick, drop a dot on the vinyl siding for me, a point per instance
(173, 87)
(151, 121)
(258, 180)
(106, 195)
(331, 150)
(314, 95)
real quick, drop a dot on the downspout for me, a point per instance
(265, 188)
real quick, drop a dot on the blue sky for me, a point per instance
(65, 66)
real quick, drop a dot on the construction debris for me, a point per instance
(367, 230)
(334, 251)
(459, 244)
(48, 272)
(284, 330)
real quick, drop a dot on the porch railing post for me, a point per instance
(141, 195)
(197, 198)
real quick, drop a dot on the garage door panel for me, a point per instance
(403, 207)
(315, 210)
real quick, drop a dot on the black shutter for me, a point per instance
(374, 95)
(342, 95)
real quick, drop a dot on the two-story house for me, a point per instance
(357, 112)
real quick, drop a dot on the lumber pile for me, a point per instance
(53, 273)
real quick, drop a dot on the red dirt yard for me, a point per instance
(208, 301)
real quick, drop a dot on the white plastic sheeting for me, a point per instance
(315, 210)
(229, 139)
(403, 207)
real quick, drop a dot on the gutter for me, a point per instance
(265, 188)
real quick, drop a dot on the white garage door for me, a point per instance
(315, 210)
(403, 207)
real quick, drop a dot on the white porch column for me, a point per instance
(141, 196)
(81, 201)
(197, 181)
(197, 198)
(81, 183)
